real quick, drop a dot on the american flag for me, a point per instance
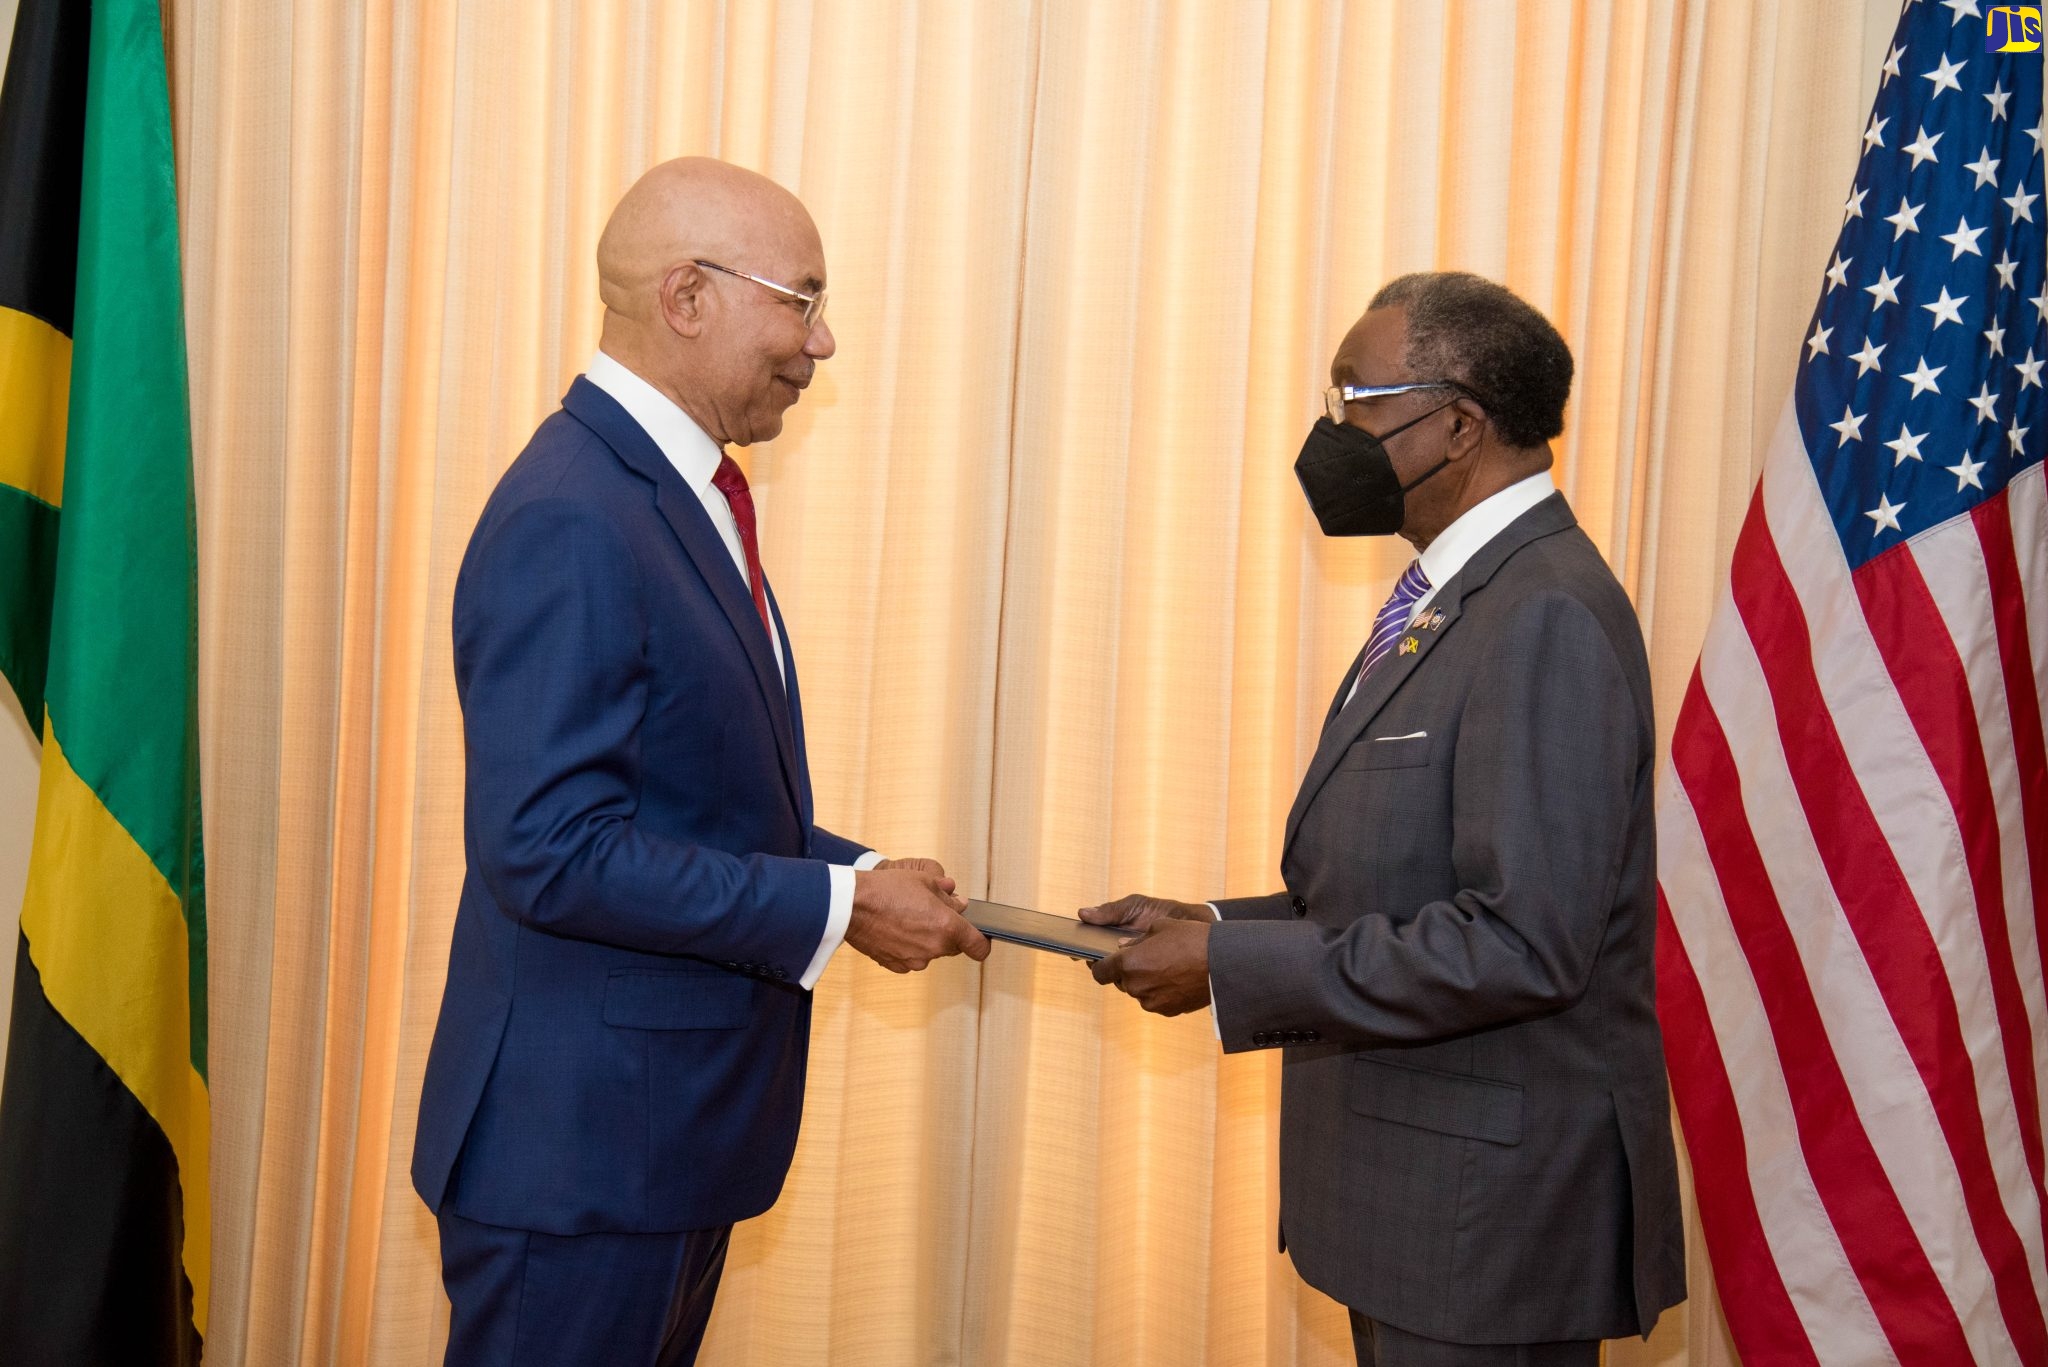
(1853, 828)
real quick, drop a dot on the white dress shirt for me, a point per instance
(1446, 555)
(690, 449)
(1460, 541)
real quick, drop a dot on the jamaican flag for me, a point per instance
(103, 1107)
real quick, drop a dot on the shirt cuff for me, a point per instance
(838, 914)
(1214, 1019)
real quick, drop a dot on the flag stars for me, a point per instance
(1994, 337)
(1817, 345)
(1850, 428)
(2016, 436)
(1873, 136)
(1907, 219)
(2036, 132)
(1963, 239)
(1985, 168)
(1905, 446)
(2005, 266)
(1966, 473)
(1852, 207)
(1959, 8)
(1946, 309)
(1885, 515)
(1838, 274)
(2022, 205)
(1944, 77)
(2030, 371)
(1922, 148)
(1999, 97)
(1891, 66)
(2040, 303)
(1922, 379)
(1886, 290)
(1866, 359)
(1986, 404)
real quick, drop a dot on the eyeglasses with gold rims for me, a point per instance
(1338, 396)
(813, 304)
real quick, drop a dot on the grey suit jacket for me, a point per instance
(1475, 1138)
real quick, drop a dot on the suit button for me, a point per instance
(1300, 907)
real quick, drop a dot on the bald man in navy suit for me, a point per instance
(618, 1069)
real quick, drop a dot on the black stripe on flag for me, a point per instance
(42, 151)
(91, 1218)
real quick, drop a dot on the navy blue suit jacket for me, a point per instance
(622, 1042)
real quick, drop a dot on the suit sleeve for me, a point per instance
(553, 678)
(1541, 810)
(836, 849)
(1272, 906)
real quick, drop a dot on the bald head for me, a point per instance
(692, 208)
(672, 263)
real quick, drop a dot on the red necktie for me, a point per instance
(730, 482)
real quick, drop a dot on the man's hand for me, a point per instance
(1141, 913)
(905, 915)
(921, 865)
(1168, 970)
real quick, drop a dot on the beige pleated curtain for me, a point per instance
(1062, 620)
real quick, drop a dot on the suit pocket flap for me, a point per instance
(1398, 752)
(639, 999)
(1470, 1107)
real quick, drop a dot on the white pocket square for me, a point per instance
(1412, 735)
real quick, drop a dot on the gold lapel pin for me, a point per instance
(1409, 645)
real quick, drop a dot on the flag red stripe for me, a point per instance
(1761, 1317)
(1993, 520)
(1928, 673)
(1897, 1278)
(1881, 912)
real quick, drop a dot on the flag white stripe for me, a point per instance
(1823, 1287)
(2028, 500)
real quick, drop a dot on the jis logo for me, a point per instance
(2013, 28)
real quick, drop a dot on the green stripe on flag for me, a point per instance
(122, 686)
(28, 541)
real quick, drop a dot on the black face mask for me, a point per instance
(1350, 481)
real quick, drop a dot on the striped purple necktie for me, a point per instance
(1393, 620)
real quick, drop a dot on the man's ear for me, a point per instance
(683, 298)
(1468, 424)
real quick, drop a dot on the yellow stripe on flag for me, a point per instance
(35, 394)
(107, 934)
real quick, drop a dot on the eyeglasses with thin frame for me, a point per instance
(814, 304)
(1338, 396)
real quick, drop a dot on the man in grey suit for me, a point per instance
(1475, 1138)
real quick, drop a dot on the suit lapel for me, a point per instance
(685, 515)
(1347, 722)
(796, 713)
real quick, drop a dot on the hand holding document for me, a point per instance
(1168, 970)
(905, 914)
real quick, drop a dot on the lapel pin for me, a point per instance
(1432, 619)
(1409, 645)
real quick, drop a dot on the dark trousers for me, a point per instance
(1382, 1345)
(521, 1299)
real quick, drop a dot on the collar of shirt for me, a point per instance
(688, 447)
(1476, 526)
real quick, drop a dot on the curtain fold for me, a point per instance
(1061, 619)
